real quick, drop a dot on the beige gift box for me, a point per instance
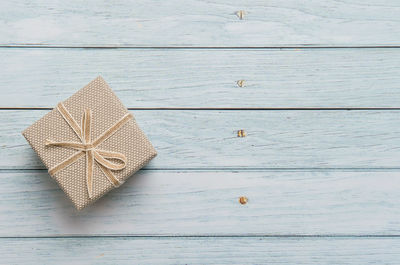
(90, 143)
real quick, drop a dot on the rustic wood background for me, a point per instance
(320, 104)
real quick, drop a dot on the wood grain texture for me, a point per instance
(275, 139)
(159, 78)
(323, 185)
(206, 203)
(201, 251)
(200, 23)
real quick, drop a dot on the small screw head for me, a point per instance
(241, 133)
(241, 14)
(243, 200)
(240, 83)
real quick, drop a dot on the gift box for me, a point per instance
(90, 143)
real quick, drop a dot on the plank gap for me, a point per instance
(218, 109)
(130, 46)
(201, 236)
(232, 169)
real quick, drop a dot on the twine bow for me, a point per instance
(88, 148)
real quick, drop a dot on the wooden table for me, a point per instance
(319, 103)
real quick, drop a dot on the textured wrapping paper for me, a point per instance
(105, 109)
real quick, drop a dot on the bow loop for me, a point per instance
(103, 157)
(88, 148)
(86, 125)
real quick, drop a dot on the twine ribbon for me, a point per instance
(88, 148)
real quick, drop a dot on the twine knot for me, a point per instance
(90, 149)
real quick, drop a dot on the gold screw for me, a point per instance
(241, 133)
(241, 14)
(240, 83)
(243, 200)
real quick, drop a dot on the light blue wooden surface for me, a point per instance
(206, 78)
(204, 250)
(320, 104)
(200, 23)
(205, 203)
(207, 139)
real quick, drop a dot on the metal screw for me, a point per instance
(243, 200)
(241, 133)
(240, 83)
(241, 14)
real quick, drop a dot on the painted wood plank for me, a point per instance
(200, 23)
(200, 251)
(143, 78)
(206, 203)
(275, 139)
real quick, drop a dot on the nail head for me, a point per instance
(243, 200)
